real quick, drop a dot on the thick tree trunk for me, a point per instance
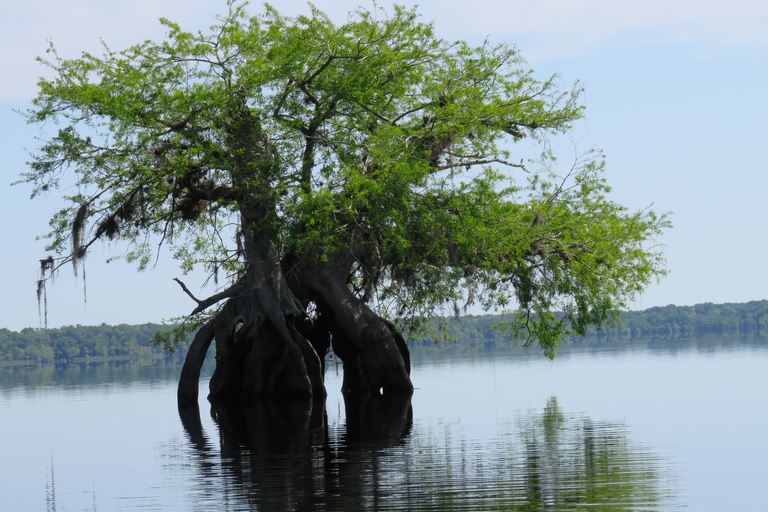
(260, 355)
(280, 368)
(263, 357)
(267, 349)
(375, 356)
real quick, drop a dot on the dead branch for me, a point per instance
(483, 162)
(204, 304)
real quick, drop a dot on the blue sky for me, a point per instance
(676, 96)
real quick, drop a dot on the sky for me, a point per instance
(676, 98)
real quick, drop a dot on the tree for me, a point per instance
(345, 182)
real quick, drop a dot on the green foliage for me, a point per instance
(372, 142)
(178, 335)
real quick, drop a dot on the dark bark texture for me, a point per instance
(268, 349)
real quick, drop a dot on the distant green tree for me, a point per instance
(341, 181)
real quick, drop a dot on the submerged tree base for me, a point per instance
(266, 353)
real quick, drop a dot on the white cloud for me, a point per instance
(549, 28)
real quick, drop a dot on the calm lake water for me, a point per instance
(660, 427)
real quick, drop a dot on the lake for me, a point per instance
(652, 426)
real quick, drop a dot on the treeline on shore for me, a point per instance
(667, 322)
(109, 342)
(82, 343)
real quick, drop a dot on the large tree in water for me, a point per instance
(341, 183)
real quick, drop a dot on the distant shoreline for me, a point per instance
(112, 343)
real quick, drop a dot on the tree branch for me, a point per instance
(481, 162)
(204, 304)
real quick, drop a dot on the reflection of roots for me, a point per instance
(275, 428)
(382, 420)
(284, 457)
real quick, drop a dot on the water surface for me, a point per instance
(661, 427)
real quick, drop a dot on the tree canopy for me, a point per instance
(336, 180)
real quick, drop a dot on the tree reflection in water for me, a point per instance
(276, 458)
